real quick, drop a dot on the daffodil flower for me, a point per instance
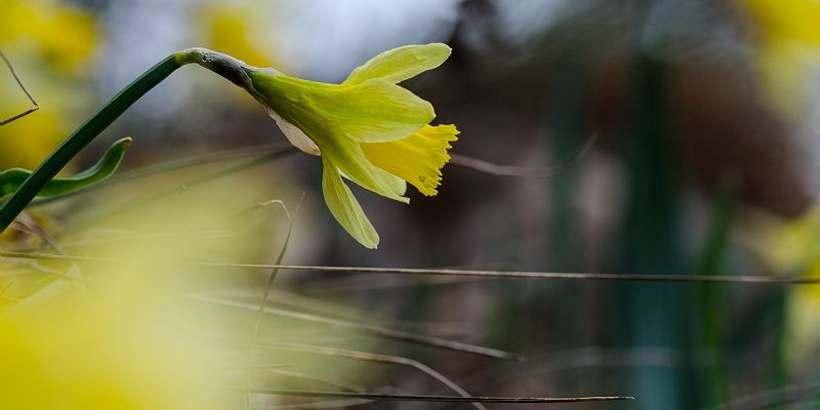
(367, 129)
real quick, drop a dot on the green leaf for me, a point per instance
(11, 179)
(351, 162)
(401, 63)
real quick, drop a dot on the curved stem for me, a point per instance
(226, 66)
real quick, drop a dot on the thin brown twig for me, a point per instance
(396, 334)
(201, 234)
(261, 160)
(495, 274)
(205, 159)
(5, 289)
(259, 150)
(274, 272)
(320, 405)
(276, 150)
(34, 105)
(297, 375)
(491, 168)
(26, 267)
(373, 357)
(344, 284)
(487, 274)
(594, 357)
(310, 378)
(320, 306)
(27, 224)
(438, 398)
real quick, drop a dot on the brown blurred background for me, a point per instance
(622, 137)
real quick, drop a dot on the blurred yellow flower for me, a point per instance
(25, 142)
(64, 36)
(789, 43)
(120, 334)
(49, 42)
(794, 247)
(229, 29)
(95, 352)
(147, 325)
(788, 246)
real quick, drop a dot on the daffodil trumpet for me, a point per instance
(367, 129)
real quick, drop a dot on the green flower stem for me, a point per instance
(226, 66)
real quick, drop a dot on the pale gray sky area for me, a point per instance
(317, 39)
(324, 40)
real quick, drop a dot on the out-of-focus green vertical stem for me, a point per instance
(563, 130)
(653, 316)
(713, 378)
(778, 369)
(565, 123)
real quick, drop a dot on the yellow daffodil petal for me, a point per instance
(319, 111)
(345, 208)
(354, 165)
(401, 63)
(418, 159)
(372, 111)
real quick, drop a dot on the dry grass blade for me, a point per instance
(203, 180)
(320, 405)
(279, 258)
(411, 337)
(487, 274)
(266, 152)
(343, 284)
(296, 302)
(518, 171)
(27, 224)
(5, 289)
(375, 357)
(438, 398)
(198, 160)
(497, 274)
(318, 306)
(34, 105)
(302, 376)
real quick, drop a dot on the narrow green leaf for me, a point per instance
(13, 178)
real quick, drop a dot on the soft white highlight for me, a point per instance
(295, 135)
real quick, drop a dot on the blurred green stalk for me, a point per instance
(713, 377)
(653, 316)
(221, 64)
(82, 137)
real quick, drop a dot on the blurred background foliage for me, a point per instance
(645, 136)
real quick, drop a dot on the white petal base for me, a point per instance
(295, 135)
